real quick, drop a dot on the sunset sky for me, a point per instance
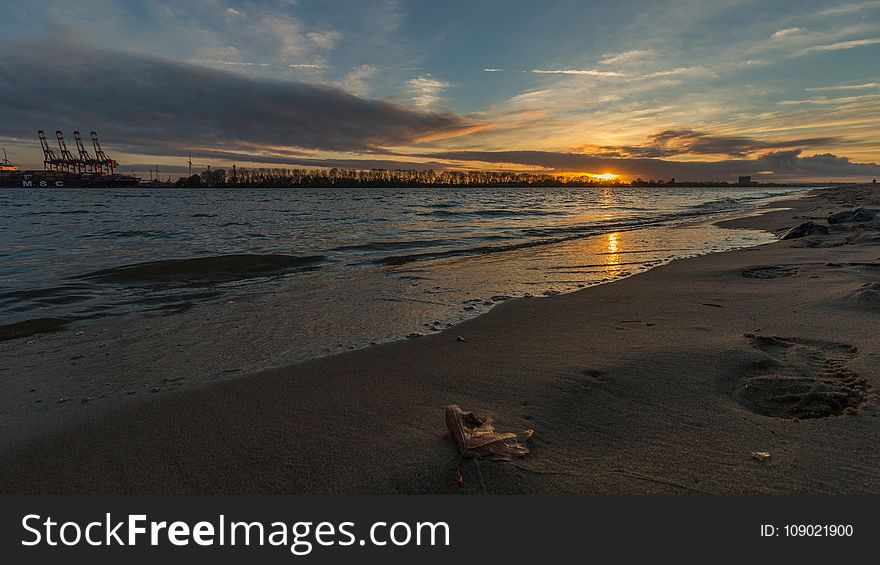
(781, 90)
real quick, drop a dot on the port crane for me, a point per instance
(105, 163)
(51, 162)
(69, 162)
(88, 161)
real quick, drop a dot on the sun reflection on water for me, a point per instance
(612, 254)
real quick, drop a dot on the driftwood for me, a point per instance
(476, 437)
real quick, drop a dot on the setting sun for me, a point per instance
(604, 176)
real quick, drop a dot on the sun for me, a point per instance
(604, 176)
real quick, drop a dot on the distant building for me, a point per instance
(743, 181)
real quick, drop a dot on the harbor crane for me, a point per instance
(90, 163)
(51, 162)
(105, 163)
(70, 163)
(100, 164)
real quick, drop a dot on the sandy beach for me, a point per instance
(664, 382)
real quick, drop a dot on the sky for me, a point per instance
(695, 90)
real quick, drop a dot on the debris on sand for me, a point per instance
(805, 229)
(476, 437)
(761, 455)
(857, 215)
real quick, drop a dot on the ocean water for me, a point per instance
(360, 265)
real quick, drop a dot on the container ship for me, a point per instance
(66, 170)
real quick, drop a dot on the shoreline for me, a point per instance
(163, 341)
(611, 382)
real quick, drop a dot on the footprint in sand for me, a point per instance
(803, 379)
(770, 271)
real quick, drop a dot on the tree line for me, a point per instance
(404, 178)
(374, 178)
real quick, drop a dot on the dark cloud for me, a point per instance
(687, 141)
(145, 103)
(824, 165)
(281, 159)
(785, 165)
(225, 160)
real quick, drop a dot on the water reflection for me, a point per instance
(612, 254)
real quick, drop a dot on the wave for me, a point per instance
(437, 205)
(393, 245)
(560, 234)
(123, 234)
(490, 213)
(60, 212)
(730, 203)
(23, 299)
(478, 250)
(205, 270)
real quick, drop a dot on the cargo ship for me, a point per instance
(66, 170)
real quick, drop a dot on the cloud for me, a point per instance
(825, 101)
(852, 44)
(425, 90)
(324, 39)
(285, 34)
(863, 86)
(695, 70)
(625, 57)
(824, 165)
(848, 8)
(587, 72)
(689, 142)
(789, 31)
(148, 103)
(233, 12)
(492, 70)
(239, 63)
(357, 81)
(779, 166)
(221, 159)
(532, 96)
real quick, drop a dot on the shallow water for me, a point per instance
(360, 264)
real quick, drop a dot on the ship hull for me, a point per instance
(40, 179)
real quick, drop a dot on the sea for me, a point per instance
(352, 266)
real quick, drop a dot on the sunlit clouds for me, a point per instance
(425, 91)
(788, 90)
(581, 72)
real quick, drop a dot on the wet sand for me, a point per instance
(664, 382)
